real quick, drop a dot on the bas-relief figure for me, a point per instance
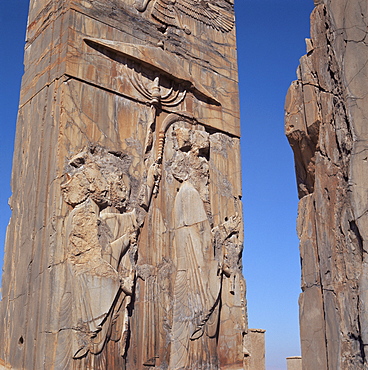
(102, 251)
(200, 266)
(101, 232)
(152, 266)
(197, 277)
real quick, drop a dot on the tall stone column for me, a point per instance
(125, 241)
(326, 124)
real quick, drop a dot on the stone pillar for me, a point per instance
(326, 124)
(256, 350)
(294, 363)
(125, 241)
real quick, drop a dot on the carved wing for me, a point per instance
(164, 12)
(216, 14)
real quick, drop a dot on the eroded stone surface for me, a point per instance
(326, 120)
(124, 246)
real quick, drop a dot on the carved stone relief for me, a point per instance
(176, 288)
(101, 232)
(134, 259)
(218, 15)
(198, 256)
(103, 229)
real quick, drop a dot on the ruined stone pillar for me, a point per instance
(326, 124)
(125, 241)
(255, 344)
(294, 363)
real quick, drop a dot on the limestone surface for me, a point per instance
(125, 242)
(326, 124)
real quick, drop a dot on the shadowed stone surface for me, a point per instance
(125, 242)
(326, 124)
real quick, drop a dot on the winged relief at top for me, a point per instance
(217, 14)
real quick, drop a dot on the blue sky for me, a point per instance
(271, 37)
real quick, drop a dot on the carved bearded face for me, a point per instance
(96, 176)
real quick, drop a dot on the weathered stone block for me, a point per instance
(330, 155)
(124, 247)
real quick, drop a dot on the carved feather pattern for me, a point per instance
(216, 14)
(164, 12)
